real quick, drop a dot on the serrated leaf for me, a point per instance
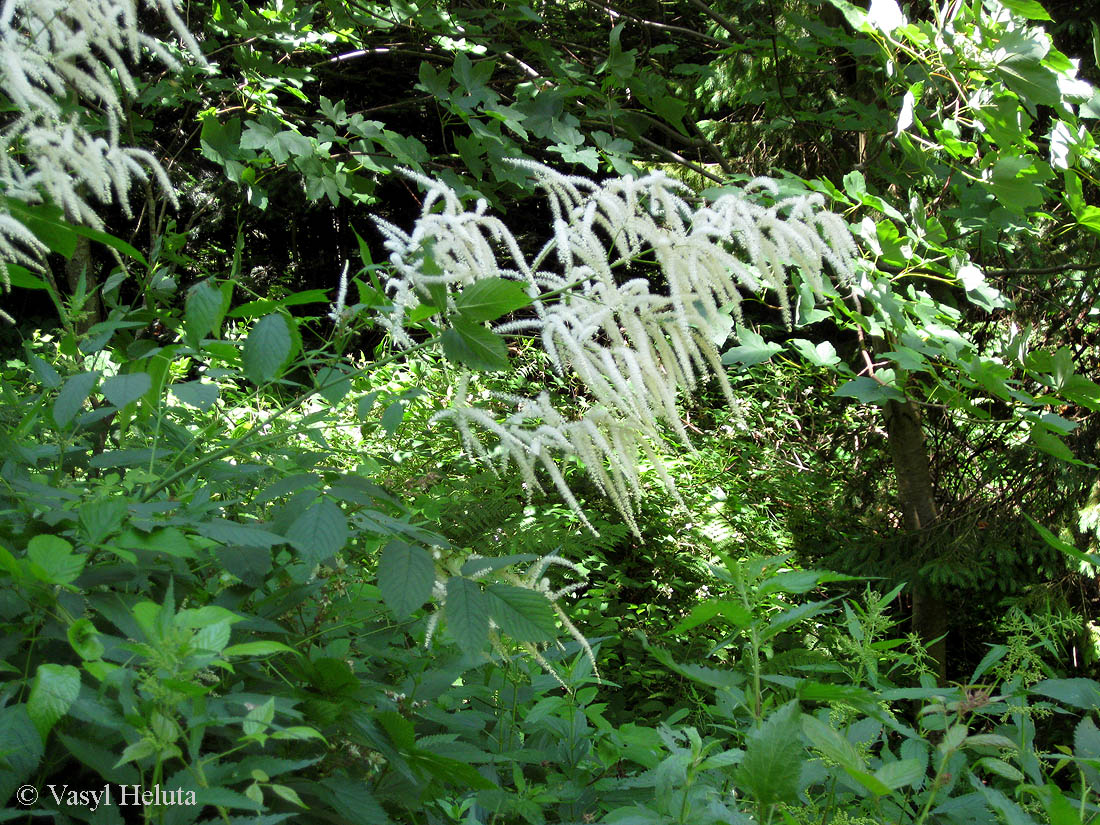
(229, 532)
(406, 575)
(267, 349)
(353, 799)
(53, 560)
(1078, 693)
(44, 372)
(84, 639)
(524, 614)
(773, 759)
(21, 747)
(734, 613)
(467, 612)
(831, 743)
(319, 532)
(900, 774)
(72, 396)
(490, 298)
(196, 393)
(333, 384)
(120, 390)
(203, 311)
(53, 691)
(1086, 746)
(472, 345)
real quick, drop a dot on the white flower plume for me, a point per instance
(633, 348)
(54, 54)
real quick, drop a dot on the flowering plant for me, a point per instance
(53, 51)
(632, 347)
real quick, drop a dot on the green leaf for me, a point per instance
(44, 372)
(772, 765)
(406, 575)
(267, 349)
(120, 390)
(333, 384)
(868, 390)
(900, 774)
(21, 748)
(1079, 693)
(319, 532)
(102, 517)
(1026, 8)
(488, 299)
(353, 799)
(752, 349)
(72, 396)
(84, 639)
(1086, 746)
(1063, 546)
(203, 313)
(524, 614)
(228, 532)
(53, 691)
(733, 612)
(472, 345)
(467, 611)
(263, 648)
(831, 743)
(60, 236)
(197, 394)
(53, 561)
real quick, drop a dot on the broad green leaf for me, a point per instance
(53, 561)
(733, 612)
(60, 236)
(1026, 8)
(773, 759)
(197, 394)
(1086, 747)
(868, 390)
(820, 355)
(472, 345)
(392, 417)
(333, 384)
(24, 278)
(53, 691)
(488, 299)
(72, 396)
(831, 744)
(467, 611)
(84, 639)
(120, 390)
(44, 372)
(319, 532)
(228, 532)
(267, 349)
(901, 774)
(406, 575)
(203, 312)
(21, 748)
(752, 349)
(524, 614)
(102, 517)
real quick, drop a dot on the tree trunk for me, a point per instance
(918, 507)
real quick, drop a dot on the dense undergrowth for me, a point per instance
(302, 601)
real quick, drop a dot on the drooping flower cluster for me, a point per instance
(59, 56)
(634, 349)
